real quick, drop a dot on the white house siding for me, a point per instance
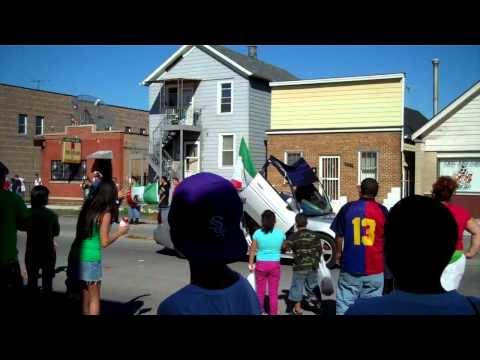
(198, 65)
(260, 106)
(460, 131)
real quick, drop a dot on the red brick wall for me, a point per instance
(91, 142)
(18, 151)
(347, 146)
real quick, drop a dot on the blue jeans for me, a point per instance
(133, 213)
(307, 280)
(350, 288)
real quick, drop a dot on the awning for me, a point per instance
(102, 154)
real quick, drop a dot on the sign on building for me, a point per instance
(465, 171)
(72, 151)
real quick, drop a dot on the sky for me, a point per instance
(114, 73)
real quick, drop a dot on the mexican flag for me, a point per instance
(145, 194)
(244, 170)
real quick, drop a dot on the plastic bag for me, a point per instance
(251, 280)
(324, 278)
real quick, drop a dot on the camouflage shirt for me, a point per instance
(307, 249)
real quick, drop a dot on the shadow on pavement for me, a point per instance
(169, 252)
(325, 308)
(58, 304)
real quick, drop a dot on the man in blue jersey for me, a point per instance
(359, 236)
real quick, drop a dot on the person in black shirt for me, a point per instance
(164, 193)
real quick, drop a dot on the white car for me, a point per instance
(260, 195)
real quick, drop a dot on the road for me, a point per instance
(138, 274)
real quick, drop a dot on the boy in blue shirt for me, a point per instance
(204, 221)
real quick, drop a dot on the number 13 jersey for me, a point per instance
(361, 224)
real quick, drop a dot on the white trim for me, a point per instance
(25, 128)
(442, 114)
(320, 171)
(230, 61)
(183, 51)
(185, 157)
(220, 150)
(457, 155)
(165, 64)
(337, 80)
(219, 96)
(43, 125)
(377, 158)
(188, 52)
(402, 147)
(339, 130)
(286, 152)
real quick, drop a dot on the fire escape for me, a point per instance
(179, 121)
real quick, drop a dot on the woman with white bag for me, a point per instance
(443, 189)
(309, 268)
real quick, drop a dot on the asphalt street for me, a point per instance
(138, 274)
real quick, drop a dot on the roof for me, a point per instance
(69, 95)
(338, 80)
(441, 116)
(246, 65)
(413, 120)
(257, 67)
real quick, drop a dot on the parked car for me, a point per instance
(260, 195)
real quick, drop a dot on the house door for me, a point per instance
(192, 158)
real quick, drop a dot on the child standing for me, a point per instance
(40, 253)
(307, 250)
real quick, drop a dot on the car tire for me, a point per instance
(329, 250)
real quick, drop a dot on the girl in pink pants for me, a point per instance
(266, 245)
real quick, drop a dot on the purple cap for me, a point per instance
(205, 218)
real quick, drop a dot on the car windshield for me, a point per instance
(311, 201)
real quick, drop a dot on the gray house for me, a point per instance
(203, 100)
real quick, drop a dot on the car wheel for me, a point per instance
(329, 250)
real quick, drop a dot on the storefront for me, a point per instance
(64, 160)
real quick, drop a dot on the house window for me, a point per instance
(225, 97)
(172, 97)
(22, 124)
(227, 150)
(39, 125)
(61, 171)
(368, 165)
(291, 157)
(330, 175)
(465, 171)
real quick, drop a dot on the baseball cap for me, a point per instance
(204, 220)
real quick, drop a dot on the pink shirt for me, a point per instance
(461, 216)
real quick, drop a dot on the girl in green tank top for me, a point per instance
(93, 233)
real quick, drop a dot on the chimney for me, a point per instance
(252, 51)
(435, 63)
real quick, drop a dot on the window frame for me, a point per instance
(377, 162)
(219, 97)
(220, 150)
(63, 178)
(42, 127)
(25, 129)
(338, 178)
(286, 152)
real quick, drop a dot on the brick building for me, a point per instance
(28, 113)
(51, 112)
(347, 129)
(63, 180)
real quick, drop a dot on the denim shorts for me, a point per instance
(303, 280)
(88, 271)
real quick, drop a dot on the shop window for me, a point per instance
(61, 171)
(465, 171)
